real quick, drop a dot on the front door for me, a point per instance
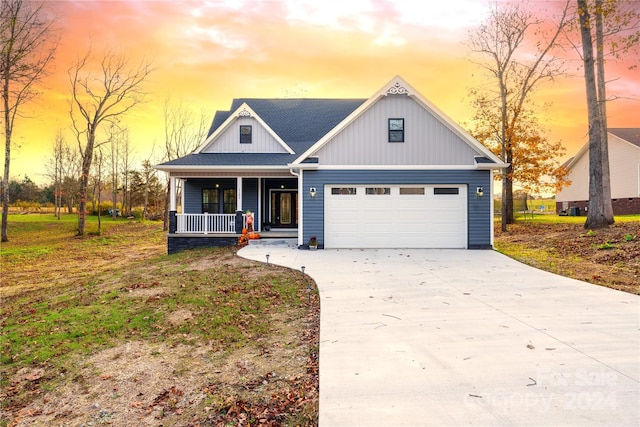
(284, 212)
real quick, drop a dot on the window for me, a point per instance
(229, 197)
(210, 200)
(343, 190)
(378, 190)
(245, 134)
(411, 190)
(446, 190)
(396, 130)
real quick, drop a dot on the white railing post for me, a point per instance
(206, 223)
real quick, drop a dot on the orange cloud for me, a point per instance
(206, 53)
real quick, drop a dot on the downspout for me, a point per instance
(300, 204)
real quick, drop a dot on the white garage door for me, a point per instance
(395, 216)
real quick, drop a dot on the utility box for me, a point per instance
(574, 211)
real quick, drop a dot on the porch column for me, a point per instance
(173, 221)
(239, 194)
(172, 193)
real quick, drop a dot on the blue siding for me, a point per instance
(478, 210)
(250, 198)
(193, 191)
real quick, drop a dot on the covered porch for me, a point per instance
(210, 210)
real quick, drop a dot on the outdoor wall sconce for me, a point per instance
(312, 192)
(479, 192)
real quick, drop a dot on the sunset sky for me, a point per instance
(206, 53)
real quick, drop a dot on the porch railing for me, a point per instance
(207, 223)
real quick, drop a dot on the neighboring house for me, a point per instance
(624, 166)
(391, 171)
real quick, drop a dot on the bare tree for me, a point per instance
(518, 65)
(125, 161)
(117, 138)
(28, 42)
(101, 96)
(56, 171)
(97, 185)
(183, 134)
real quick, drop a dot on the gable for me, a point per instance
(295, 123)
(228, 141)
(448, 144)
(624, 167)
(262, 137)
(427, 141)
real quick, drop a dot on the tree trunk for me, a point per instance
(84, 183)
(595, 216)
(602, 103)
(509, 186)
(7, 156)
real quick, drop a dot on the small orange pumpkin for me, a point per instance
(244, 231)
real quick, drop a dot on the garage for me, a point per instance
(395, 216)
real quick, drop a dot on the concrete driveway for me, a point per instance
(458, 337)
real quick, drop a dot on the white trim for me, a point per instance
(260, 213)
(243, 111)
(408, 90)
(172, 193)
(181, 195)
(239, 194)
(209, 168)
(398, 167)
(300, 205)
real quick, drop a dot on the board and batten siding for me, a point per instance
(229, 140)
(479, 215)
(427, 141)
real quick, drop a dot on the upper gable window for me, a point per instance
(245, 134)
(396, 130)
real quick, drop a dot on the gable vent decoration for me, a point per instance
(396, 89)
(244, 113)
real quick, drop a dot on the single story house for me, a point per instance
(390, 171)
(624, 167)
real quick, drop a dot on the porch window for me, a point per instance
(210, 200)
(229, 200)
(245, 134)
(396, 130)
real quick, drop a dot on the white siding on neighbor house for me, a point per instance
(427, 141)
(624, 165)
(229, 140)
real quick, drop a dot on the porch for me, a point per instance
(212, 211)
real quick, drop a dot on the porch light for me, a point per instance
(479, 192)
(312, 192)
(281, 186)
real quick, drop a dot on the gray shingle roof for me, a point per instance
(295, 120)
(233, 159)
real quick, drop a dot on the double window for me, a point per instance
(396, 130)
(218, 200)
(245, 134)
